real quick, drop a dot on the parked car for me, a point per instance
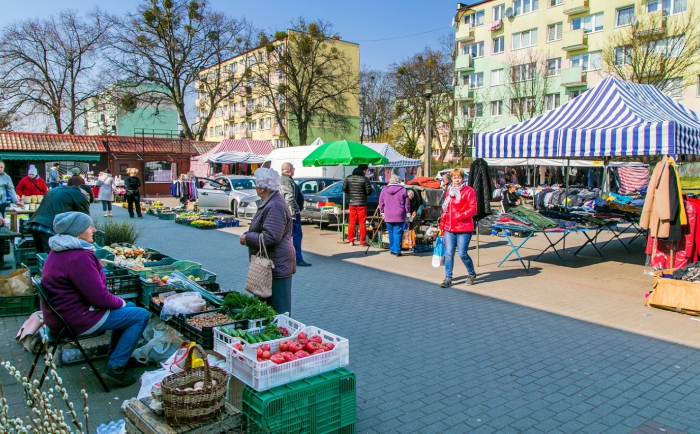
(248, 206)
(225, 192)
(443, 171)
(334, 194)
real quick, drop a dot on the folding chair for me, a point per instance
(64, 336)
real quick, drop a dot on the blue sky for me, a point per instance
(368, 22)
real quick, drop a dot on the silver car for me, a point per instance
(224, 193)
(248, 206)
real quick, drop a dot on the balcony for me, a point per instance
(572, 7)
(464, 62)
(245, 90)
(653, 24)
(572, 77)
(467, 35)
(574, 40)
(464, 93)
(248, 134)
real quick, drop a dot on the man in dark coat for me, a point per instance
(357, 187)
(57, 201)
(292, 195)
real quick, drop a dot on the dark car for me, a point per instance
(334, 194)
(248, 206)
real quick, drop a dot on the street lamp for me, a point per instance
(427, 93)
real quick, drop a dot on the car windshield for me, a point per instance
(243, 184)
(334, 190)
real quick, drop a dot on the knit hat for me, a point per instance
(32, 170)
(71, 223)
(75, 171)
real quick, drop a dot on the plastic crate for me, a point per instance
(163, 270)
(420, 248)
(19, 305)
(160, 262)
(26, 256)
(222, 341)
(6, 247)
(125, 286)
(325, 403)
(266, 375)
(40, 258)
(205, 336)
(166, 216)
(215, 289)
(204, 276)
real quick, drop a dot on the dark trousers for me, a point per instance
(133, 199)
(281, 299)
(41, 240)
(297, 235)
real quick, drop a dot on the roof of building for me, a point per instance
(12, 141)
(203, 147)
(257, 147)
(149, 145)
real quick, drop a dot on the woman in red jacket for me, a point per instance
(458, 209)
(31, 185)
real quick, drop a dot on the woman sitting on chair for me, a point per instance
(75, 286)
(510, 199)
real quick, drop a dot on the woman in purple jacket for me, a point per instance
(75, 284)
(274, 221)
(394, 204)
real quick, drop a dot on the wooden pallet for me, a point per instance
(142, 420)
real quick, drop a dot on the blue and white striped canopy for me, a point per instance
(395, 159)
(615, 118)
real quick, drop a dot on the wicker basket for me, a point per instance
(186, 407)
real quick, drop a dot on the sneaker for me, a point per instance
(446, 283)
(471, 279)
(399, 254)
(303, 264)
(118, 376)
(352, 243)
(140, 216)
(105, 214)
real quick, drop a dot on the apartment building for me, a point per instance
(249, 112)
(568, 34)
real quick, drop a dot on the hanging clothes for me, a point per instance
(481, 183)
(633, 178)
(657, 211)
(184, 189)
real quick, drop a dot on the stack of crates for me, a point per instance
(25, 253)
(325, 403)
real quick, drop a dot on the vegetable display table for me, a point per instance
(142, 420)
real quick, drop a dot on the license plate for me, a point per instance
(309, 204)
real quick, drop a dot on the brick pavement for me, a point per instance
(559, 349)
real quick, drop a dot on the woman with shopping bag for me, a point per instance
(394, 204)
(457, 222)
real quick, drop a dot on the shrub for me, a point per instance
(119, 232)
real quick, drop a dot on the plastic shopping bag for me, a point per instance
(439, 252)
(409, 239)
(176, 362)
(163, 341)
(182, 303)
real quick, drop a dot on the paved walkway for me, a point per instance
(558, 349)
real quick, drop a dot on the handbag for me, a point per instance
(259, 280)
(408, 240)
(439, 252)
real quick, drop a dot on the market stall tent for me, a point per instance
(202, 168)
(615, 118)
(395, 159)
(234, 157)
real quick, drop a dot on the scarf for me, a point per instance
(59, 243)
(453, 192)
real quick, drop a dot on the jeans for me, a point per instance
(358, 215)
(41, 241)
(461, 242)
(53, 184)
(127, 325)
(106, 205)
(281, 299)
(395, 235)
(297, 235)
(133, 199)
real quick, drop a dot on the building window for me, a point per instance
(669, 47)
(495, 108)
(499, 45)
(280, 143)
(160, 171)
(233, 67)
(524, 72)
(499, 12)
(551, 101)
(624, 16)
(574, 93)
(554, 31)
(474, 80)
(475, 50)
(234, 128)
(553, 3)
(211, 131)
(435, 152)
(218, 112)
(242, 127)
(225, 127)
(673, 87)
(496, 77)
(588, 61)
(589, 24)
(622, 55)
(554, 67)
(261, 124)
(524, 6)
(252, 125)
(524, 39)
(473, 110)
(522, 106)
(669, 6)
(268, 123)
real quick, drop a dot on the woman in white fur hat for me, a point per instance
(31, 185)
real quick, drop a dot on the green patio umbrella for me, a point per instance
(345, 153)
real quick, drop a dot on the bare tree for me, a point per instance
(527, 80)
(472, 116)
(656, 49)
(410, 74)
(376, 104)
(309, 78)
(48, 66)
(169, 45)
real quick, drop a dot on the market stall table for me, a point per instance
(13, 213)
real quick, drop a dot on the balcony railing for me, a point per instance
(464, 62)
(572, 7)
(575, 40)
(572, 77)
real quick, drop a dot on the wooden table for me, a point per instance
(13, 217)
(141, 420)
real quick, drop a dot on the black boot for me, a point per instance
(118, 376)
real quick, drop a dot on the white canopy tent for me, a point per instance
(234, 157)
(395, 159)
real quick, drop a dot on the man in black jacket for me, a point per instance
(292, 195)
(357, 187)
(57, 201)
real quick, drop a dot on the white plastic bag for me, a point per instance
(148, 379)
(182, 303)
(439, 252)
(163, 341)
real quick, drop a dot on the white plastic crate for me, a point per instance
(222, 341)
(266, 375)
